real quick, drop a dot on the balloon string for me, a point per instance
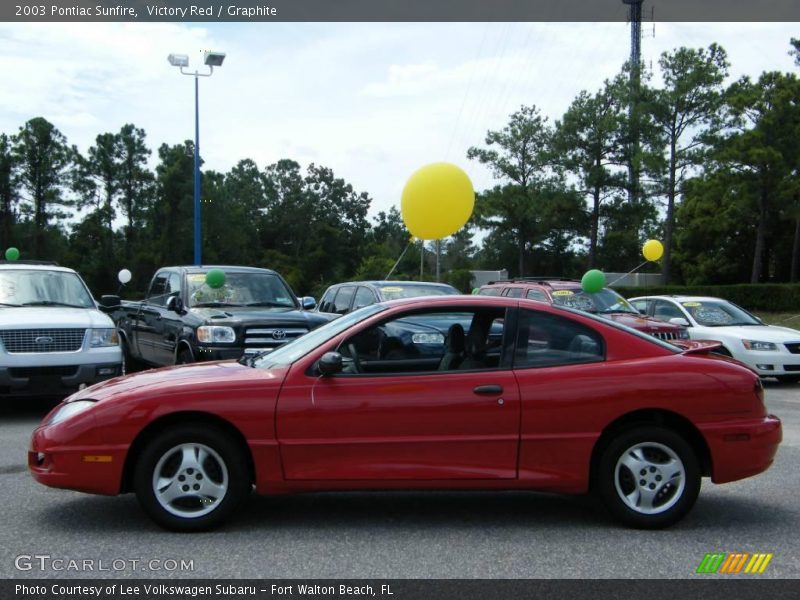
(628, 273)
(402, 254)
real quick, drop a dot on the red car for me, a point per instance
(476, 393)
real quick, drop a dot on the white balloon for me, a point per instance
(124, 276)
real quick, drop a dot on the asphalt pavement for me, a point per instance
(49, 533)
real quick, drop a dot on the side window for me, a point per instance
(342, 303)
(173, 287)
(664, 311)
(428, 342)
(157, 293)
(490, 291)
(641, 305)
(545, 340)
(364, 297)
(326, 304)
(514, 292)
(535, 294)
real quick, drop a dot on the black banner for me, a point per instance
(397, 10)
(402, 589)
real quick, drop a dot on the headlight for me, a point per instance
(756, 345)
(101, 338)
(427, 338)
(70, 409)
(215, 334)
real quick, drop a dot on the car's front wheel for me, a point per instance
(190, 478)
(648, 477)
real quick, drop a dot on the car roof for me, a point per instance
(677, 298)
(553, 283)
(34, 266)
(229, 268)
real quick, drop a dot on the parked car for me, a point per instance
(184, 320)
(771, 350)
(53, 338)
(568, 292)
(342, 298)
(565, 402)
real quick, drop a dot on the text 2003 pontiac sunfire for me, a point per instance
(456, 392)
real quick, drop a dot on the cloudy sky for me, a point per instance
(373, 101)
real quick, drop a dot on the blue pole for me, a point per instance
(197, 257)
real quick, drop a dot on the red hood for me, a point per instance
(220, 376)
(642, 323)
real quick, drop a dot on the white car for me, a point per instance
(771, 350)
(53, 338)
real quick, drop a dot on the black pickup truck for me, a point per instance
(187, 318)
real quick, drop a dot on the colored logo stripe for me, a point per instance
(734, 562)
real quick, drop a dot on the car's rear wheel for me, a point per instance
(190, 478)
(649, 477)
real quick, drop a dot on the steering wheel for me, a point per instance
(351, 348)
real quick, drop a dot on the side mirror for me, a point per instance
(679, 321)
(330, 363)
(175, 304)
(110, 302)
(308, 302)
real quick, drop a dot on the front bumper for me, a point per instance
(92, 468)
(742, 448)
(53, 380)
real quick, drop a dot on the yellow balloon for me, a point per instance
(652, 250)
(437, 201)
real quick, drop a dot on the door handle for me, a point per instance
(488, 389)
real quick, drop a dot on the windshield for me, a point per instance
(605, 301)
(395, 292)
(301, 346)
(240, 289)
(20, 287)
(718, 313)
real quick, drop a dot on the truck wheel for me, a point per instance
(129, 364)
(648, 477)
(191, 477)
(184, 357)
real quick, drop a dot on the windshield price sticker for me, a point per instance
(563, 293)
(692, 304)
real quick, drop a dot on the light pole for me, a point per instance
(211, 60)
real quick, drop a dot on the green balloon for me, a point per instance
(215, 278)
(12, 254)
(593, 281)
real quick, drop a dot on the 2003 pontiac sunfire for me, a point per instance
(454, 392)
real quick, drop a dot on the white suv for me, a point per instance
(53, 339)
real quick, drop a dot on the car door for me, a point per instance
(152, 333)
(403, 419)
(171, 323)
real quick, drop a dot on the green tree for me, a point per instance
(8, 191)
(685, 111)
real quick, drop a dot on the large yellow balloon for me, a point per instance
(437, 201)
(652, 250)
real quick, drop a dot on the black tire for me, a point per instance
(648, 477)
(184, 357)
(129, 364)
(203, 477)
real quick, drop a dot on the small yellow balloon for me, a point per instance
(652, 250)
(437, 201)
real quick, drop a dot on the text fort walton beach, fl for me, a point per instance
(182, 12)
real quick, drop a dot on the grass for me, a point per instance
(780, 318)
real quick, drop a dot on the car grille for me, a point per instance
(791, 368)
(794, 347)
(22, 341)
(69, 371)
(257, 339)
(667, 335)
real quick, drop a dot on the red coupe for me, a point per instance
(456, 392)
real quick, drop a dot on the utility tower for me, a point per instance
(635, 18)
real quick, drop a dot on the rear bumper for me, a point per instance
(93, 469)
(743, 448)
(53, 380)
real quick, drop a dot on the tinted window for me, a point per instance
(536, 295)
(490, 291)
(664, 311)
(173, 285)
(514, 292)
(158, 289)
(326, 304)
(342, 303)
(545, 340)
(364, 297)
